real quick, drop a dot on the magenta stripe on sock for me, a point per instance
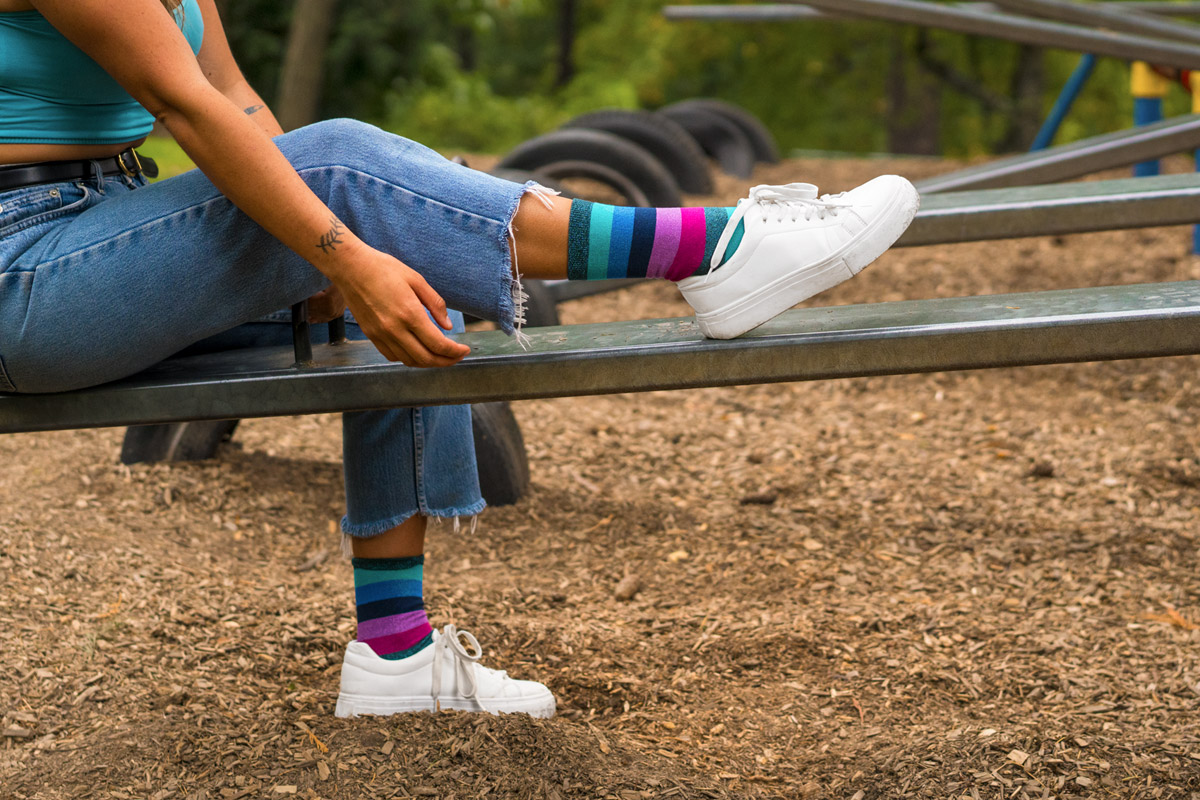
(396, 623)
(396, 642)
(666, 242)
(692, 240)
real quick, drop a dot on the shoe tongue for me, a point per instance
(806, 190)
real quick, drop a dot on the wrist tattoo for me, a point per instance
(333, 237)
(253, 109)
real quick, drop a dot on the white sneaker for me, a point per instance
(796, 245)
(442, 676)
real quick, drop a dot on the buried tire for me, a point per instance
(500, 453)
(660, 136)
(499, 448)
(763, 143)
(178, 441)
(721, 139)
(606, 158)
(523, 176)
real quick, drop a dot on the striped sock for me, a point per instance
(391, 606)
(621, 242)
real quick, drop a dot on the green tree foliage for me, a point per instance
(481, 74)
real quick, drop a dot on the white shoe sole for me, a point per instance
(768, 302)
(351, 705)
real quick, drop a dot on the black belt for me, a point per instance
(127, 163)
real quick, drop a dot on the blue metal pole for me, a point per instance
(1148, 89)
(1146, 111)
(1196, 228)
(1066, 99)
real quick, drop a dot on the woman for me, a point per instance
(101, 274)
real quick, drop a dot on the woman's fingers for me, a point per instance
(419, 354)
(438, 343)
(326, 305)
(394, 305)
(415, 341)
(431, 300)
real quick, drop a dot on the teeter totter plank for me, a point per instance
(784, 12)
(1074, 160)
(805, 344)
(1016, 28)
(1055, 209)
(1127, 18)
(974, 216)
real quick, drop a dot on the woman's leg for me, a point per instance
(406, 540)
(119, 279)
(402, 467)
(737, 267)
(111, 281)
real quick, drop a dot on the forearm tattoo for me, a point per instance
(254, 109)
(333, 237)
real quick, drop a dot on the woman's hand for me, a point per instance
(326, 306)
(392, 304)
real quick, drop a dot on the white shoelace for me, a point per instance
(789, 201)
(449, 645)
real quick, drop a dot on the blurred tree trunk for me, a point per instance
(566, 41)
(464, 45)
(1027, 88)
(914, 102)
(304, 63)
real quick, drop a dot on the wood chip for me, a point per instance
(628, 588)
(1018, 757)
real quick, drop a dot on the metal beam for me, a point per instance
(1018, 29)
(1110, 150)
(1126, 18)
(955, 217)
(1013, 28)
(779, 12)
(1166, 8)
(804, 344)
(1055, 209)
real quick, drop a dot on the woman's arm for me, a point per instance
(221, 69)
(148, 55)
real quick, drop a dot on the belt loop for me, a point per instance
(97, 175)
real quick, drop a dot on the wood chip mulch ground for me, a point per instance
(974, 585)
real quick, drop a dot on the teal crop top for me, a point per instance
(51, 92)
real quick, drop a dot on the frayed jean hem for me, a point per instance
(369, 530)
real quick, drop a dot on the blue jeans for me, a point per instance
(101, 279)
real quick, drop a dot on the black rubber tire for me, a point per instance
(522, 176)
(500, 454)
(721, 139)
(662, 137)
(178, 441)
(638, 176)
(499, 447)
(541, 306)
(766, 151)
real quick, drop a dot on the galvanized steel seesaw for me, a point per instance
(806, 344)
